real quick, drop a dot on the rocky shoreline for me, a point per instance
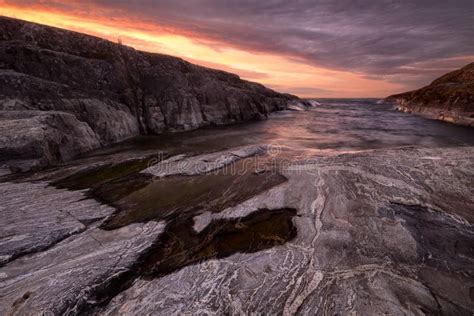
(217, 228)
(361, 232)
(449, 98)
(449, 116)
(63, 94)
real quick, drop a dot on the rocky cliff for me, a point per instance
(449, 98)
(63, 93)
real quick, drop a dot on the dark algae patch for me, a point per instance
(177, 200)
(141, 197)
(102, 174)
(180, 245)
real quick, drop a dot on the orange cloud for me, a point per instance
(280, 72)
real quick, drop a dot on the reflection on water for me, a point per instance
(337, 126)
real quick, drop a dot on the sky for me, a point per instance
(313, 48)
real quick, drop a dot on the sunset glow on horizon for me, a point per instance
(280, 70)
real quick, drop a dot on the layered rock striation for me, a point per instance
(449, 98)
(370, 233)
(64, 93)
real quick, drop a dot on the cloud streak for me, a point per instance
(383, 39)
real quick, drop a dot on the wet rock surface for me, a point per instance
(449, 98)
(72, 93)
(385, 231)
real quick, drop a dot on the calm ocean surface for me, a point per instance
(334, 127)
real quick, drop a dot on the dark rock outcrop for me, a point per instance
(449, 98)
(64, 93)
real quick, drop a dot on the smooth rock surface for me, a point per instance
(376, 232)
(384, 232)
